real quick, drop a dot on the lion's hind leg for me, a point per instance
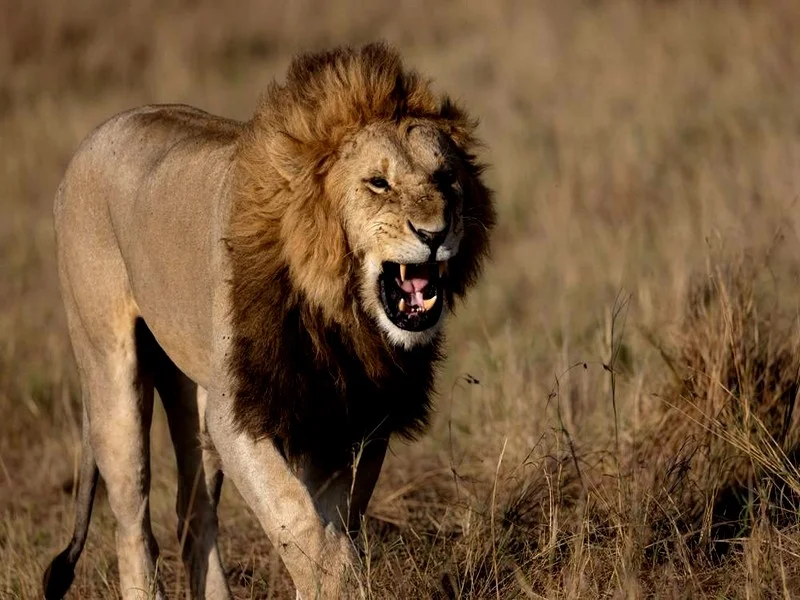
(118, 400)
(199, 479)
(103, 320)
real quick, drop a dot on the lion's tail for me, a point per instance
(59, 574)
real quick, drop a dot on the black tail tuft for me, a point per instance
(59, 575)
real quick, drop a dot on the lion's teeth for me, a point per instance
(402, 272)
(428, 304)
(402, 305)
(442, 268)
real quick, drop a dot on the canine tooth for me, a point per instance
(442, 267)
(428, 304)
(402, 305)
(402, 272)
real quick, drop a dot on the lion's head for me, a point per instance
(363, 184)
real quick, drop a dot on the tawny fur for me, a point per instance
(287, 233)
(200, 254)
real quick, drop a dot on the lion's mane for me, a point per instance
(311, 369)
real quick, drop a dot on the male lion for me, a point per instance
(282, 284)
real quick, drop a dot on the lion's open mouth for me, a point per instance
(412, 294)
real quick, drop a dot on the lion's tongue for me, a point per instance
(413, 287)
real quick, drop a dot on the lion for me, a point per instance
(282, 284)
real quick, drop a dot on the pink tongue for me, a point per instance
(416, 299)
(413, 287)
(415, 284)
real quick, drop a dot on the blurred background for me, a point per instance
(615, 417)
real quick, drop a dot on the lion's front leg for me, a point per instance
(318, 555)
(341, 492)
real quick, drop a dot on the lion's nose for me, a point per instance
(432, 239)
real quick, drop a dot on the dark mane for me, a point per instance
(311, 367)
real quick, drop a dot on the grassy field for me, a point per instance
(616, 417)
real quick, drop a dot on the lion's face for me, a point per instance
(403, 193)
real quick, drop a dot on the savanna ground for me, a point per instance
(616, 415)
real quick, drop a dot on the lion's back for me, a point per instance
(125, 149)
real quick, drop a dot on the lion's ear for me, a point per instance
(287, 155)
(457, 125)
(294, 159)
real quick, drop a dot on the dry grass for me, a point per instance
(617, 415)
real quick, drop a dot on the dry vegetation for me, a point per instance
(616, 418)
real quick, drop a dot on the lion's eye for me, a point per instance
(378, 184)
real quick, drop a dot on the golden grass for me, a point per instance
(616, 418)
